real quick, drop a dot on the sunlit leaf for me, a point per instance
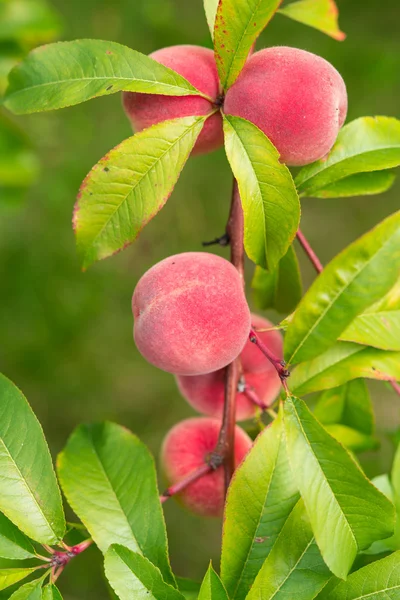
(29, 591)
(50, 592)
(320, 14)
(351, 438)
(10, 576)
(381, 330)
(212, 587)
(14, 545)
(360, 184)
(210, 7)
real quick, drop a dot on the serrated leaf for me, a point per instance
(341, 363)
(320, 14)
(351, 438)
(134, 576)
(349, 404)
(130, 185)
(212, 587)
(294, 568)
(380, 330)
(68, 73)
(282, 289)
(346, 511)
(366, 144)
(14, 545)
(377, 581)
(29, 22)
(105, 470)
(270, 203)
(359, 276)
(260, 498)
(50, 592)
(29, 494)
(238, 23)
(210, 8)
(360, 184)
(10, 576)
(29, 591)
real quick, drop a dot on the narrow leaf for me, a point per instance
(10, 576)
(359, 276)
(294, 567)
(366, 144)
(269, 198)
(260, 498)
(238, 23)
(320, 14)
(360, 184)
(212, 587)
(68, 73)
(29, 494)
(282, 289)
(29, 591)
(341, 363)
(106, 470)
(325, 472)
(130, 185)
(381, 330)
(14, 545)
(210, 7)
(351, 438)
(133, 576)
(50, 592)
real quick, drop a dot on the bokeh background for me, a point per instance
(66, 336)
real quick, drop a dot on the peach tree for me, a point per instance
(301, 519)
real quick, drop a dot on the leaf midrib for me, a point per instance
(291, 570)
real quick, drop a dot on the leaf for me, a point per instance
(360, 184)
(359, 276)
(294, 567)
(238, 23)
(351, 438)
(68, 73)
(130, 185)
(260, 498)
(380, 330)
(190, 589)
(50, 592)
(30, 591)
(341, 363)
(212, 587)
(346, 511)
(10, 576)
(210, 7)
(366, 144)
(349, 404)
(29, 494)
(282, 289)
(133, 576)
(320, 14)
(378, 581)
(14, 545)
(105, 470)
(30, 22)
(269, 199)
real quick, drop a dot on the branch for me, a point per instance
(310, 252)
(183, 483)
(395, 386)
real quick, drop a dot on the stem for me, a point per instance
(309, 251)
(252, 396)
(186, 481)
(395, 386)
(279, 364)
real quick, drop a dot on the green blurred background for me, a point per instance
(66, 336)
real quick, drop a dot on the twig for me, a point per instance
(395, 386)
(309, 251)
(279, 364)
(186, 481)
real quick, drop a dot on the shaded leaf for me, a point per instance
(10, 576)
(50, 592)
(210, 7)
(189, 588)
(351, 438)
(320, 14)
(380, 330)
(360, 184)
(14, 545)
(29, 591)
(212, 587)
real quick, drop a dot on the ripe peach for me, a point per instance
(197, 65)
(185, 448)
(191, 315)
(206, 392)
(296, 98)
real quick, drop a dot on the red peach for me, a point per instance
(185, 448)
(296, 98)
(191, 314)
(206, 392)
(197, 65)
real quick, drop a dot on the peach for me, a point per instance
(191, 315)
(197, 65)
(296, 98)
(206, 392)
(185, 448)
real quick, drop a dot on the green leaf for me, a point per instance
(351, 438)
(269, 198)
(14, 545)
(29, 494)
(320, 14)
(389, 302)
(360, 184)
(359, 276)
(109, 479)
(341, 363)
(294, 567)
(189, 588)
(130, 185)
(30, 22)
(210, 7)
(378, 581)
(261, 496)
(29, 591)
(238, 23)
(282, 289)
(133, 576)
(68, 73)
(349, 404)
(381, 330)
(366, 144)
(212, 587)
(50, 592)
(346, 511)
(10, 576)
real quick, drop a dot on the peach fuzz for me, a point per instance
(205, 393)
(185, 448)
(190, 314)
(197, 65)
(296, 98)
